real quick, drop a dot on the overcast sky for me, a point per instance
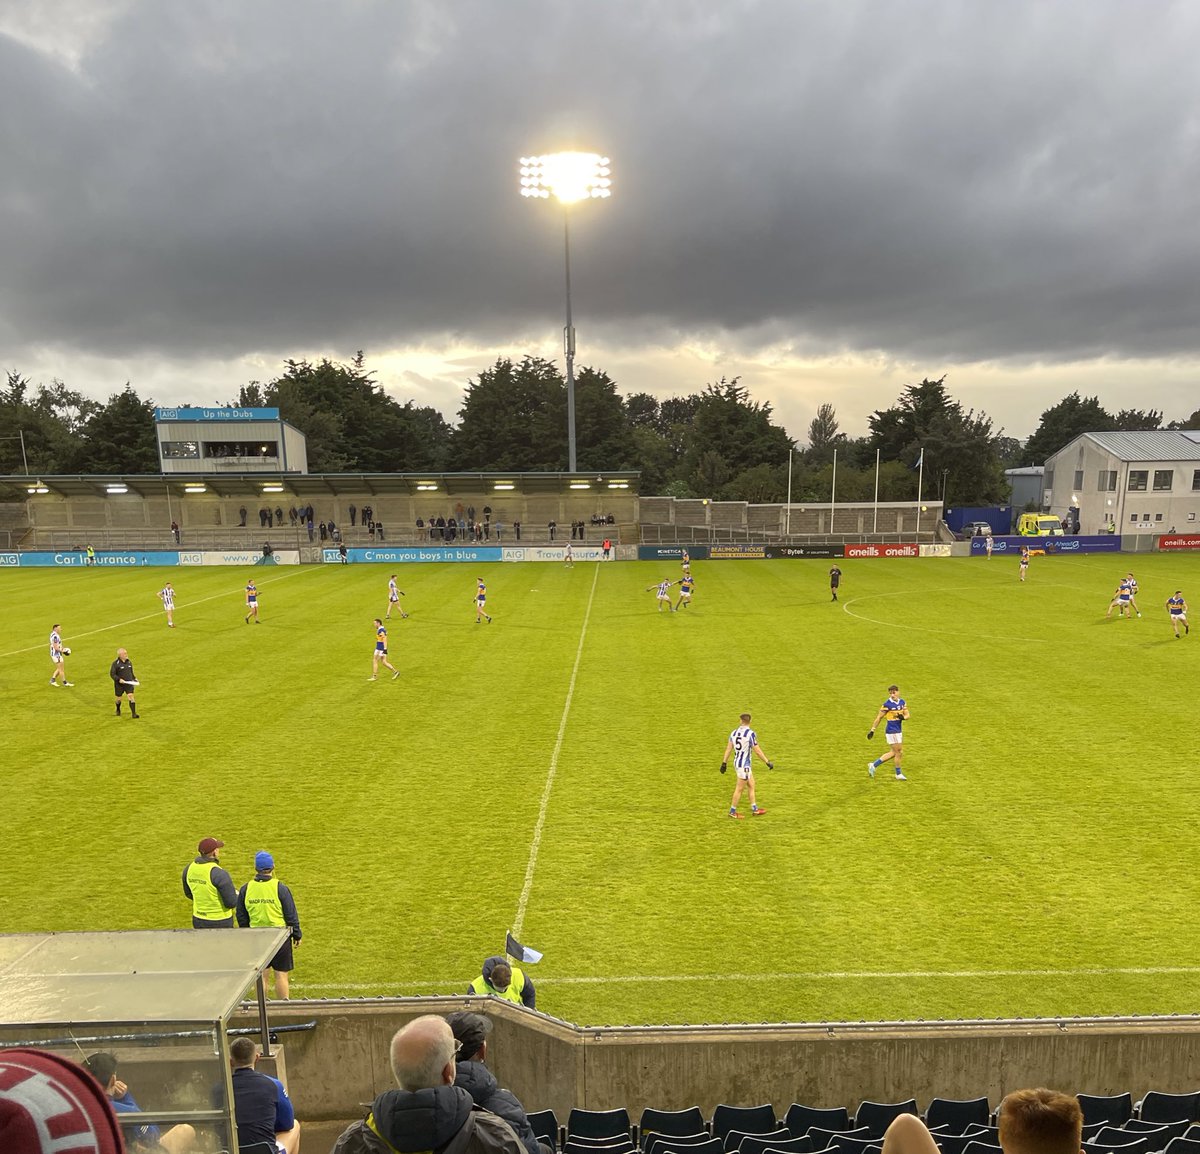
(830, 199)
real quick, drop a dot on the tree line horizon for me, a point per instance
(718, 443)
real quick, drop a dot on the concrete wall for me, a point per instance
(336, 1069)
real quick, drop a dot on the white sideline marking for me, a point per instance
(157, 613)
(519, 921)
(454, 985)
(922, 628)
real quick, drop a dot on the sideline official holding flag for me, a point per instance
(502, 980)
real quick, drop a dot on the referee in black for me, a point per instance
(121, 671)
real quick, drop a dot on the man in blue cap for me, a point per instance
(266, 901)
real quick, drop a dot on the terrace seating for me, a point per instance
(1170, 1129)
(845, 1144)
(654, 1143)
(878, 1116)
(690, 1121)
(957, 1115)
(733, 1140)
(799, 1118)
(823, 1138)
(1183, 1146)
(756, 1145)
(1113, 1138)
(708, 1146)
(545, 1127)
(747, 1119)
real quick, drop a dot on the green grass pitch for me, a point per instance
(557, 772)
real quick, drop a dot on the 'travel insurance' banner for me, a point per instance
(554, 553)
(1180, 541)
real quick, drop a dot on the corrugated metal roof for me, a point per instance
(1152, 445)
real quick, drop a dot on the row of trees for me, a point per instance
(718, 443)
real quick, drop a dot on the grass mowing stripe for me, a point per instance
(535, 845)
(156, 613)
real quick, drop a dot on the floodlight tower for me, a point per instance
(569, 177)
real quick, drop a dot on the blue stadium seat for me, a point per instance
(734, 1139)
(676, 1122)
(756, 1145)
(652, 1143)
(878, 1116)
(823, 1138)
(799, 1118)
(1183, 1146)
(598, 1124)
(711, 1146)
(747, 1119)
(1160, 1107)
(545, 1127)
(957, 1114)
(1113, 1138)
(1114, 1109)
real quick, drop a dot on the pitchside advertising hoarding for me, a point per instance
(1104, 543)
(1180, 541)
(672, 552)
(409, 556)
(136, 559)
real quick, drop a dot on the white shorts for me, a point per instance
(1181, 617)
(894, 738)
(393, 599)
(663, 597)
(744, 773)
(684, 595)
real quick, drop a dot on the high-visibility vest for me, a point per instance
(207, 903)
(263, 904)
(512, 993)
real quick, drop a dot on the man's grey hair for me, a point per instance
(421, 1051)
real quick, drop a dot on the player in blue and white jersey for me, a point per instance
(569, 557)
(251, 601)
(895, 710)
(743, 744)
(663, 593)
(381, 653)
(58, 654)
(481, 601)
(1177, 608)
(394, 595)
(167, 596)
(1121, 599)
(685, 584)
(1133, 591)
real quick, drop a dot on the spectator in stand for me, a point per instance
(278, 515)
(499, 526)
(293, 516)
(552, 527)
(365, 514)
(451, 529)
(427, 1112)
(471, 1032)
(322, 532)
(371, 530)
(179, 1139)
(517, 529)
(261, 1108)
(421, 526)
(266, 902)
(1031, 1122)
(209, 888)
(379, 529)
(353, 511)
(462, 526)
(502, 980)
(242, 514)
(175, 531)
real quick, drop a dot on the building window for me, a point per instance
(1163, 479)
(1137, 480)
(1048, 479)
(1145, 516)
(1078, 480)
(180, 450)
(1158, 516)
(1133, 518)
(1106, 481)
(1196, 479)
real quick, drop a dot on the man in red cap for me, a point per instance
(209, 888)
(48, 1104)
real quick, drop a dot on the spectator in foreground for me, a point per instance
(427, 1112)
(177, 1140)
(1031, 1122)
(261, 1108)
(471, 1032)
(504, 981)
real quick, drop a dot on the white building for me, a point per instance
(1140, 482)
(228, 440)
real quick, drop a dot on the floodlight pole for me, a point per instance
(569, 346)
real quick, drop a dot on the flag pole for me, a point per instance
(832, 492)
(787, 517)
(920, 478)
(875, 523)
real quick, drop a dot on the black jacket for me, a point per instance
(440, 1119)
(481, 1084)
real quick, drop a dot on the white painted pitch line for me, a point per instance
(454, 986)
(921, 628)
(535, 845)
(157, 613)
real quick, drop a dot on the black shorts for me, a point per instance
(120, 690)
(283, 961)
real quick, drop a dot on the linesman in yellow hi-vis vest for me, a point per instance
(209, 888)
(266, 901)
(502, 980)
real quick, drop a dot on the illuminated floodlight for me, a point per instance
(567, 176)
(272, 489)
(195, 488)
(427, 487)
(117, 488)
(504, 485)
(581, 485)
(618, 484)
(38, 488)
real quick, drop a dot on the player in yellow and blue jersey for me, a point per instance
(895, 710)
(1024, 561)
(743, 744)
(1177, 608)
(481, 601)
(1121, 599)
(685, 584)
(381, 652)
(251, 601)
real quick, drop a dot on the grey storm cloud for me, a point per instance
(949, 180)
